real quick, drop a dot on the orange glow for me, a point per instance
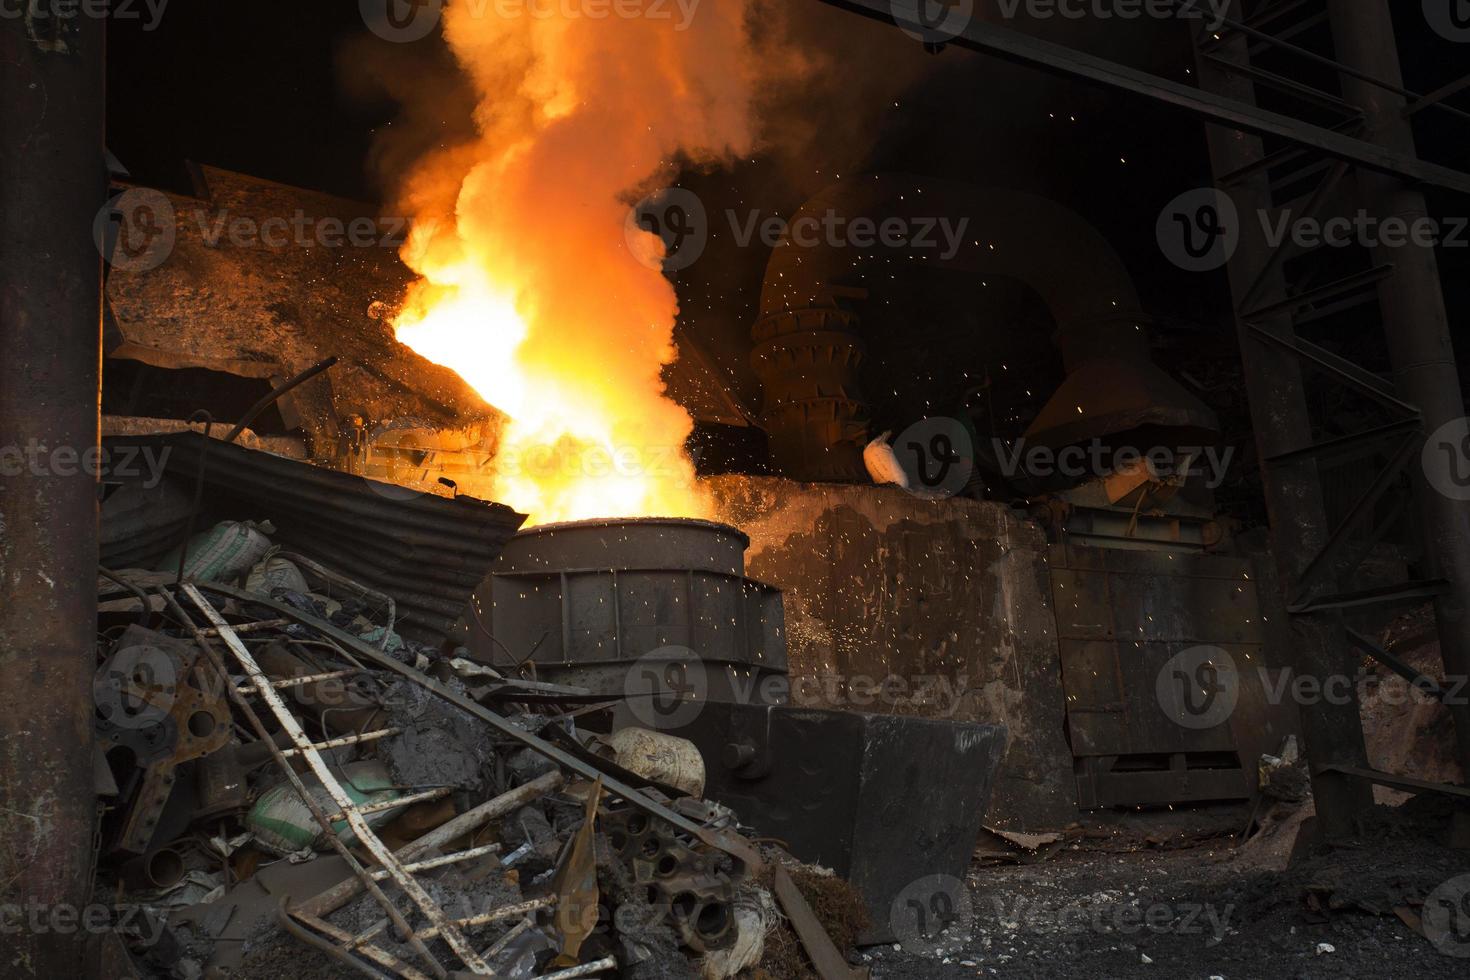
(530, 287)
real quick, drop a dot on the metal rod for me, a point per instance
(306, 679)
(1437, 97)
(468, 822)
(484, 919)
(321, 945)
(1239, 115)
(494, 949)
(585, 970)
(331, 575)
(440, 862)
(373, 953)
(1394, 664)
(1314, 57)
(498, 915)
(274, 394)
(363, 809)
(337, 743)
(268, 624)
(730, 843)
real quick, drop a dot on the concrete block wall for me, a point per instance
(897, 604)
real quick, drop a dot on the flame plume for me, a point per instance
(530, 287)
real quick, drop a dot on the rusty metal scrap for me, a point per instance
(829, 962)
(497, 869)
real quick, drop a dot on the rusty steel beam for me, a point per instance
(52, 184)
(1332, 733)
(975, 34)
(1416, 324)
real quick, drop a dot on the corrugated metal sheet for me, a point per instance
(428, 552)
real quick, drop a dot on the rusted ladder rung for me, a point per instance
(500, 914)
(440, 862)
(379, 956)
(303, 679)
(348, 810)
(363, 809)
(265, 624)
(484, 919)
(337, 743)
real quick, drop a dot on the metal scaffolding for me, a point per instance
(1352, 143)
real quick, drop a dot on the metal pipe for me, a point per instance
(585, 970)
(53, 182)
(1416, 325)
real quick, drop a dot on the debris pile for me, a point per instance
(290, 785)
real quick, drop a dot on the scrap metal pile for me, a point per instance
(281, 771)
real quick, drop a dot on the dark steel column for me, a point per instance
(52, 182)
(1415, 322)
(1332, 732)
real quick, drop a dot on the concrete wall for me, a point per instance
(901, 605)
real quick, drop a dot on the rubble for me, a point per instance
(289, 785)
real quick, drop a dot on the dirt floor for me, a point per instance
(1143, 905)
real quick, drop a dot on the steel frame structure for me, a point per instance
(1366, 138)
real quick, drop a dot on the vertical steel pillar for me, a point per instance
(1332, 732)
(1415, 322)
(52, 183)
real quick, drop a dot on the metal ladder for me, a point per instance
(329, 937)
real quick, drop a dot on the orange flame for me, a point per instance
(530, 287)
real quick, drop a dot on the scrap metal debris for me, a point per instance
(281, 771)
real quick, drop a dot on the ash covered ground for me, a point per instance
(1133, 909)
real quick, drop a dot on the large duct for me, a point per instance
(817, 420)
